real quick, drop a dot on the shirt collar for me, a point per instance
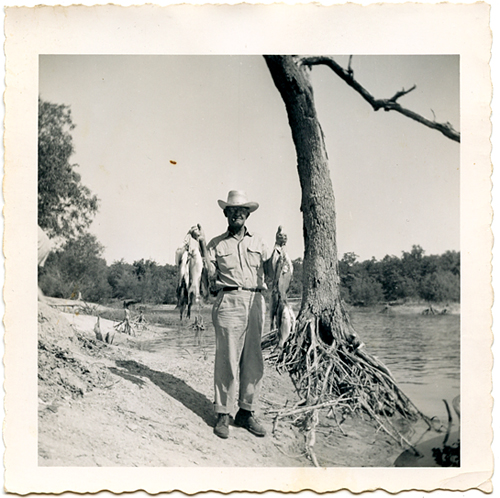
(247, 232)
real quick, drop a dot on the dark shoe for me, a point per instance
(245, 419)
(221, 428)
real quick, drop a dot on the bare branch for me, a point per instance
(349, 68)
(386, 104)
(401, 93)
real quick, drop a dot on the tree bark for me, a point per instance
(321, 282)
(323, 356)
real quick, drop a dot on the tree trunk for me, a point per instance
(327, 363)
(321, 282)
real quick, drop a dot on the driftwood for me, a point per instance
(198, 327)
(433, 311)
(107, 338)
(125, 326)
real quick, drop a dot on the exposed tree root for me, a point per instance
(330, 368)
(324, 357)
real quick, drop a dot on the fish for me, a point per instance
(191, 283)
(286, 326)
(282, 315)
(195, 269)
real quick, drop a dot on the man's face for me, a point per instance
(236, 217)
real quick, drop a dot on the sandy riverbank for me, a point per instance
(128, 404)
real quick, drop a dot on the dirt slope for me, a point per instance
(127, 404)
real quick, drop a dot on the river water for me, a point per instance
(422, 351)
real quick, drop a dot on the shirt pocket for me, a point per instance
(226, 261)
(254, 257)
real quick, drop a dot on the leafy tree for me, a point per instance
(441, 286)
(450, 261)
(365, 291)
(123, 280)
(77, 267)
(391, 278)
(65, 206)
(413, 276)
(371, 268)
(412, 262)
(349, 259)
(152, 281)
(170, 296)
(347, 272)
(430, 264)
(127, 287)
(143, 280)
(51, 281)
(115, 273)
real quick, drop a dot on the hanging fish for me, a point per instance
(195, 267)
(282, 315)
(286, 324)
(191, 284)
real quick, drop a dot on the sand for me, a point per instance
(128, 404)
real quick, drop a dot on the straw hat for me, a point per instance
(238, 198)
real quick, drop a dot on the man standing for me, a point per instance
(238, 260)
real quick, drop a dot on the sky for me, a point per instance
(159, 139)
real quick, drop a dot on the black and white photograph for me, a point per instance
(357, 307)
(250, 261)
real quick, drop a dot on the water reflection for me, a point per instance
(422, 352)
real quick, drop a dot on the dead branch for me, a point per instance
(333, 403)
(386, 104)
(324, 356)
(401, 93)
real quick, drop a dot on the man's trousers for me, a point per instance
(238, 317)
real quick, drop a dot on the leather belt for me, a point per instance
(249, 289)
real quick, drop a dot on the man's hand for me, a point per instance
(197, 233)
(281, 237)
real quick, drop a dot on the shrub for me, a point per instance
(440, 286)
(365, 291)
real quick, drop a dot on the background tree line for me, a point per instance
(75, 267)
(413, 276)
(78, 267)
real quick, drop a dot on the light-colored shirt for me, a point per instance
(238, 263)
